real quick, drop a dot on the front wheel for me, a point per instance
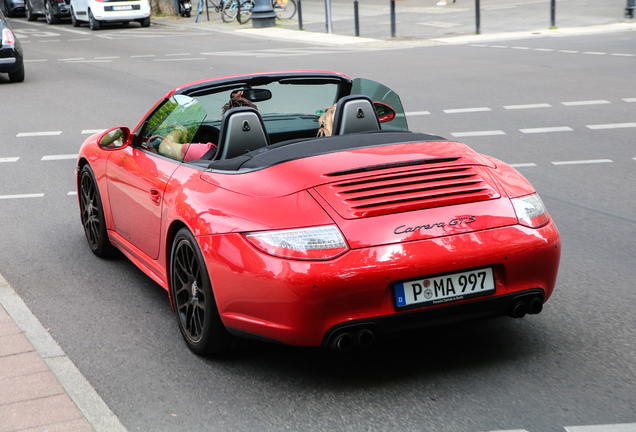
(51, 18)
(284, 9)
(74, 20)
(245, 11)
(230, 10)
(30, 16)
(193, 299)
(92, 214)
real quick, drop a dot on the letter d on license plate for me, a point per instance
(446, 288)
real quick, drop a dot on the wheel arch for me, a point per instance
(171, 233)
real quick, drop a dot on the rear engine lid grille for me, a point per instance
(400, 191)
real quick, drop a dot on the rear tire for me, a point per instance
(245, 11)
(193, 299)
(17, 76)
(92, 214)
(92, 22)
(145, 22)
(51, 18)
(30, 16)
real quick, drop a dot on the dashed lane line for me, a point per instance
(477, 133)
(547, 129)
(9, 159)
(528, 106)
(582, 162)
(417, 113)
(552, 50)
(612, 126)
(93, 131)
(523, 165)
(37, 195)
(59, 157)
(466, 110)
(630, 99)
(624, 427)
(588, 102)
(38, 134)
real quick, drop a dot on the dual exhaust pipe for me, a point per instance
(345, 340)
(522, 306)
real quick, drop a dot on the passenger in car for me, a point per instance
(326, 121)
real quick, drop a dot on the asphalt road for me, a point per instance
(562, 108)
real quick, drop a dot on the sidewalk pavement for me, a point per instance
(423, 23)
(40, 388)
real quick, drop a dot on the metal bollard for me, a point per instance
(356, 17)
(300, 16)
(629, 10)
(477, 18)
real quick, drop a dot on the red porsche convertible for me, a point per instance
(258, 228)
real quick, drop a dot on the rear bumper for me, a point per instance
(10, 60)
(303, 303)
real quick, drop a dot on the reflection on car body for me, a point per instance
(279, 235)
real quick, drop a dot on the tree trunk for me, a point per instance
(164, 7)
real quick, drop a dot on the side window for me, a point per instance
(171, 128)
(380, 93)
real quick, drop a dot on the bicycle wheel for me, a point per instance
(230, 10)
(245, 11)
(284, 9)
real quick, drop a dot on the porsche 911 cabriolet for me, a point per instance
(258, 228)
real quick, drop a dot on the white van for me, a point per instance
(96, 12)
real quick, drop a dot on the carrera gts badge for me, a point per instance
(403, 229)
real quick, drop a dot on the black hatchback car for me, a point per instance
(53, 10)
(10, 52)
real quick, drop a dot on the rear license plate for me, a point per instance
(118, 8)
(445, 288)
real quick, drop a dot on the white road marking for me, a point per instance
(143, 56)
(71, 59)
(612, 126)
(540, 105)
(543, 49)
(178, 59)
(479, 45)
(569, 51)
(178, 54)
(594, 53)
(588, 102)
(478, 133)
(35, 134)
(498, 46)
(466, 110)
(580, 162)
(59, 157)
(72, 193)
(623, 55)
(523, 165)
(79, 40)
(521, 48)
(49, 40)
(630, 99)
(93, 131)
(35, 61)
(417, 113)
(624, 427)
(40, 195)
(106, 58)
(547, 129)
(92, 61)
(9, 159)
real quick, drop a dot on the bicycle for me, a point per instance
(228, 9)
(284, 10)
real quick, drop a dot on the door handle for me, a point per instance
(155, 196)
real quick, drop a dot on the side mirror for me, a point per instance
(115, 138)
(385, 113)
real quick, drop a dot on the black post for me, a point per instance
(629, 10)
(300, 16)
(392, 18)
(263, 14)
(356, 17)
(553, 14)
(477, 18)
(328, 16)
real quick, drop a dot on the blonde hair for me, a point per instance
(326, 121)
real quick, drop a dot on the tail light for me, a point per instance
(530, 211)
(318, 243)
(7, 37)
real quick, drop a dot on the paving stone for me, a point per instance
(28, 387)
(21, 364)
(38, 413)
(12, 344)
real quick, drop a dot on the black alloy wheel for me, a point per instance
(92, 214)
(193, 299)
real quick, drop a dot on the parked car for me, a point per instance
(11, 57)
(98, 12)
(11, 8)
(52, 10)
(258, 228)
